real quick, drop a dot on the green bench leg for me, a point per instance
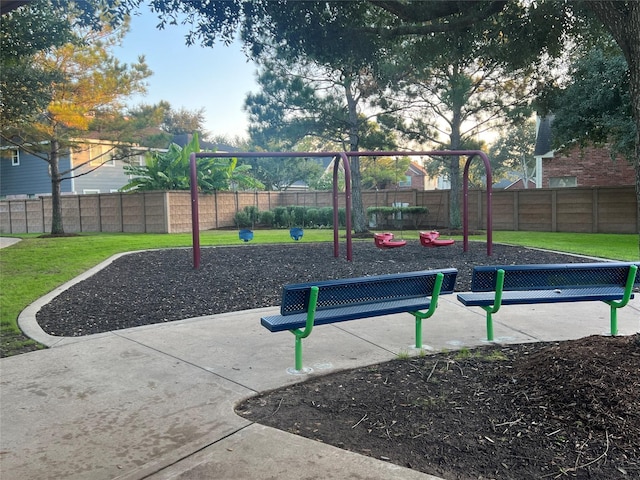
(300, 334)
(490, 325)
(298, 364)
(497, 303)
(418, 332)
(614, 306)
(614, 321)
(437, 286)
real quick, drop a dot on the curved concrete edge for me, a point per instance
(27, 318)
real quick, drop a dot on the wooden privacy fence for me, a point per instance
(594, 209)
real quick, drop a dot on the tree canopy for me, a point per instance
(595, 105)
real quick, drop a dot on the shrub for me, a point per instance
(280, 217)
(242, 220)
(311, 217)
(386, 215)
(267, 218)
(296, 215)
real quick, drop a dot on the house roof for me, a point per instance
(417, 168)
(543, 136)
(502, 184)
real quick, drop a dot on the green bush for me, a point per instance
(387, 215)
(301, 216)
(242, 220)
(311, 217)
(267, 218)
(248, 217)
(296, 215)
(280, 217)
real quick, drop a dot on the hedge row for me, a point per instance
(311, 217)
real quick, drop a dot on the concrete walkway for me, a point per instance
(157, 402)
(8, 241)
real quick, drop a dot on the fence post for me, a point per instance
(595, 227)
(554, 211)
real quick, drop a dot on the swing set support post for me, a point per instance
(465, 195)
(195, 224)
(336, 217)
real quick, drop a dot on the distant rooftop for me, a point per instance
(543, 136)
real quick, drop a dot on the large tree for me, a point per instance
(25, 86)
(31, 27)
(594, 105)
(622, 20)
(304, 99)
(350, 37)
(459, 89)
(91, 83)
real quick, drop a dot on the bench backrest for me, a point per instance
(552, 276)
(365, 290)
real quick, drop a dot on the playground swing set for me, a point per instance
(246, 234)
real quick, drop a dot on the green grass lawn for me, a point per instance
(35, 266)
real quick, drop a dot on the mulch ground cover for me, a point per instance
(532, 411)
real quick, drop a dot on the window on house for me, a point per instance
(561, 182)
(88, 191)
(406, 182)
(101, 155)
(11, 154)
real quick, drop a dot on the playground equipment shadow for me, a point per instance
(157, 402)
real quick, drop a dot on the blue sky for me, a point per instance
(217, 78)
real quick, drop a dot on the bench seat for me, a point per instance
(482, 299)
(279, 323)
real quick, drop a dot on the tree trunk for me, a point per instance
(455, 217)
(359, 220)
(360, 224)
(56, 214)
(622, 19)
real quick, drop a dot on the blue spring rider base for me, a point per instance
(296, 233)
(245, 235)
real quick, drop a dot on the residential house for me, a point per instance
(417, 178)
(577, 166)
(95, 170)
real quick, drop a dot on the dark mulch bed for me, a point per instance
(161, 286)
(534, 411)
(556, 410)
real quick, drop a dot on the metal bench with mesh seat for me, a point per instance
(306, 305)
(497, 285)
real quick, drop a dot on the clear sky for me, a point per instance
(217, 78)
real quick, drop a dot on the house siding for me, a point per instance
(30, 178)
(592, 167)
(105, 179)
